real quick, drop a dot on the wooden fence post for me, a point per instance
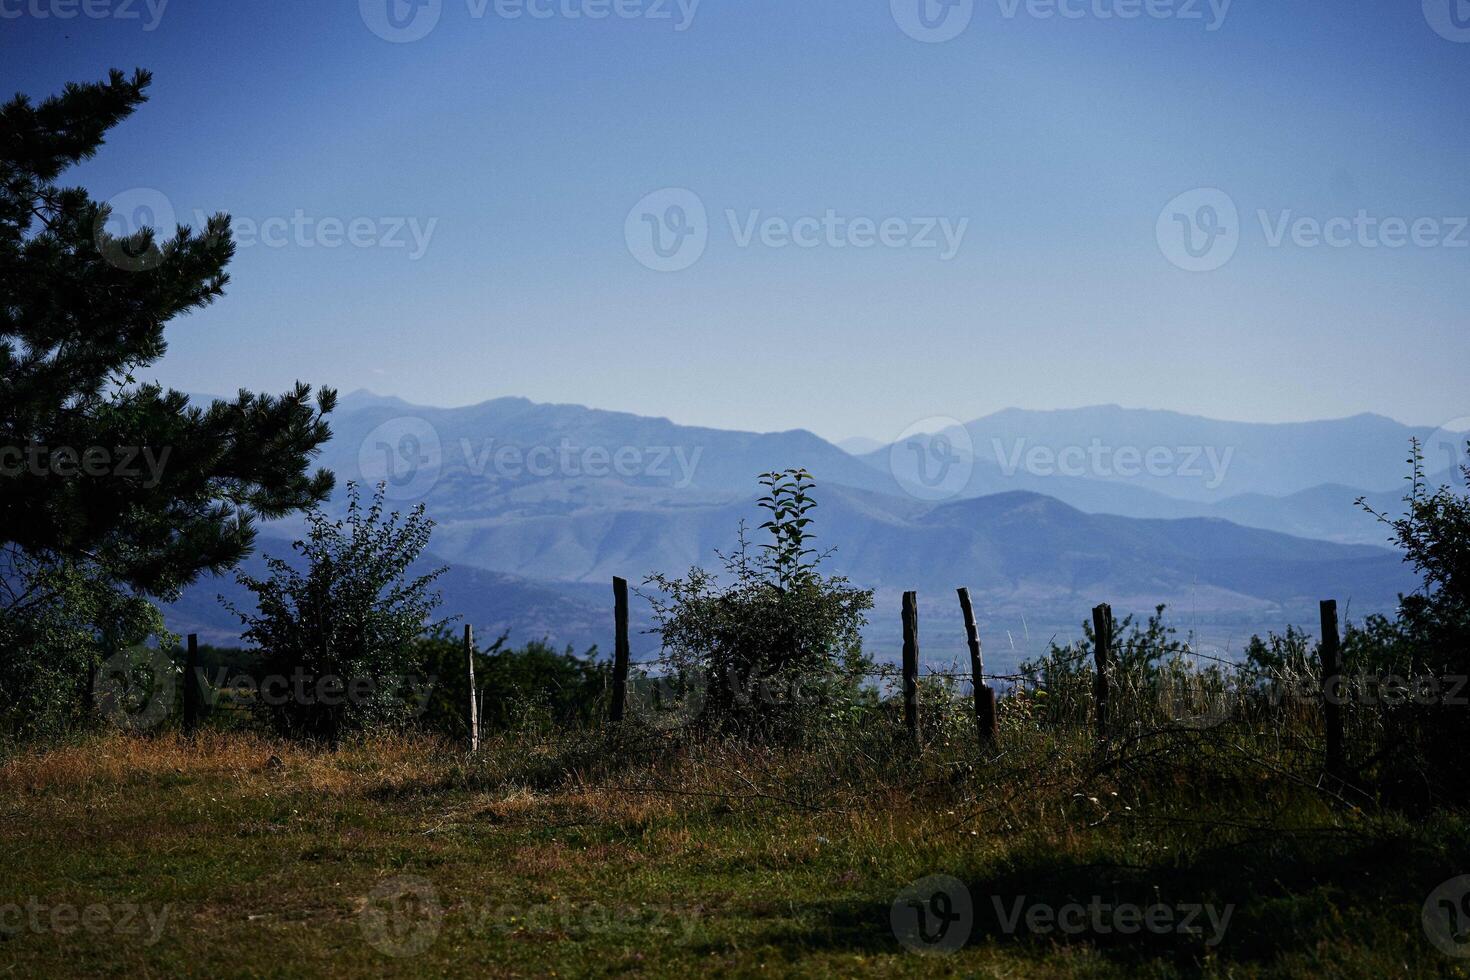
(1332, 689)
(985, 720)
(191, 685)
(911, 665)
(474, 700)
(1102, 648)
(620, 650)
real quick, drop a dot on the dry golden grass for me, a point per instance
(706, 859)
(118, 759)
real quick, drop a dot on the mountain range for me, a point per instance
(1041, 514)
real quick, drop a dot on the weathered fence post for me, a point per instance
(1102, 648)
(911, 665)
(985, 721)
(474, 700)
(192, 699)
(620, 650)
(1332, 689)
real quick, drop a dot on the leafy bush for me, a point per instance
(1291, 652)
(347, 623)
(532, 687)
(777, 648)
(1433, 626)
(1428, 642)
(1149, 656)
(58, 622)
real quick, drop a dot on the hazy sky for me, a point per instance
(467, 214)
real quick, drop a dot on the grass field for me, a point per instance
(232, 855)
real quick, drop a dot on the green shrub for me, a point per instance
(348, 620)
(59, 622)
(535, 686)
(777, 648)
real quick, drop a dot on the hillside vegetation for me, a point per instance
(403, 857)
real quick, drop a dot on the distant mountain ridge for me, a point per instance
(1197, 458)
(656, 451)
(1297, 477)
(1300, 478)
(538, 506)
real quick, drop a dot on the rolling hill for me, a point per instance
(538, 506)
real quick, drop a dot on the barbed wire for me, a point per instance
(895, 670)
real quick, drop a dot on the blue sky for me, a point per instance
(493, 171)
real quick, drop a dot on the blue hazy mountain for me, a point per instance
(538, 506)
(1195, 458)
(1300, 478)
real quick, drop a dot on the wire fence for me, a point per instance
(947, 720)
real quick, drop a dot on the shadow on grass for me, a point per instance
(1248, 903)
